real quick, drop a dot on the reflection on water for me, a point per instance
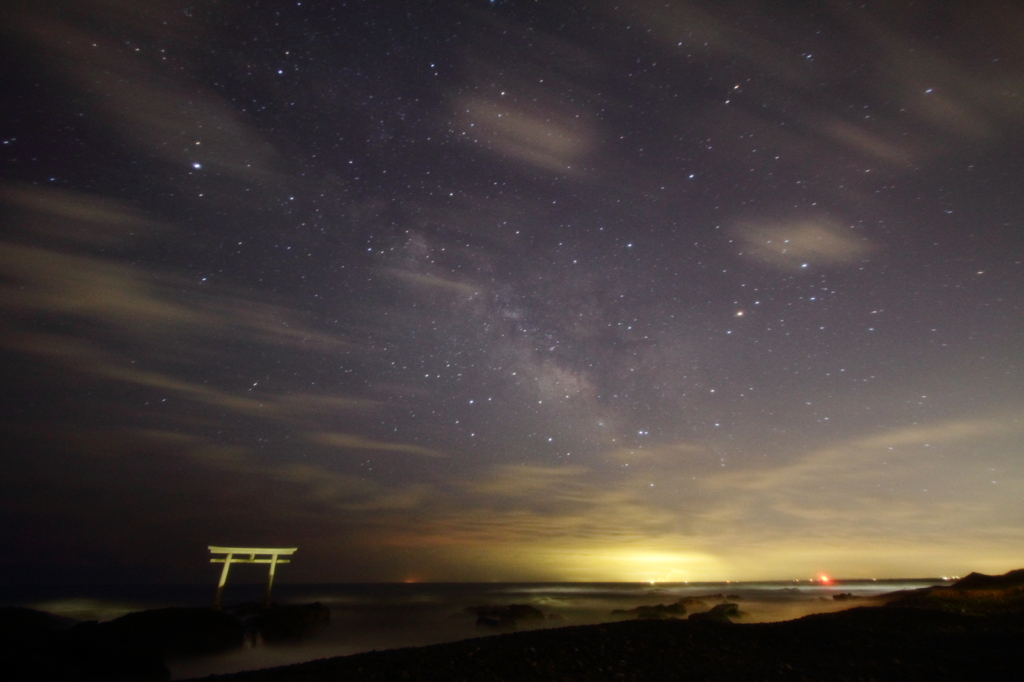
(387, 616)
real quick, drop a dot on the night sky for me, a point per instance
(518, 290)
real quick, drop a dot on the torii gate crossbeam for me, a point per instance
(248, 555)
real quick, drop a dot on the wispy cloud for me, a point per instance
(42, 281)
(175, 119)
(802, 243)
(875, 146)
(546, 138)
(882, 480)
(347, 441)
(74, 218)
(431, 281)
(90, 359)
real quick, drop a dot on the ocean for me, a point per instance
(378, 616)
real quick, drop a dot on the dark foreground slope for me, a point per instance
(39, 646)
(882, 643)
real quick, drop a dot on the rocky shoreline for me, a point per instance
(866, 643)
(970, 630)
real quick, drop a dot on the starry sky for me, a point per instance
(518, 290)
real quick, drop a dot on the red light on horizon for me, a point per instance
(824, 579)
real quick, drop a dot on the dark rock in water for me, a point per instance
(720, 613)
(278, 623)
(245, 611)
(526, 612)
(497, 624)
(176, 631)
(290, 623)
(844, 596)
(504, 618)
(659, 611)
(655, 611)
(520, 611)
(980, 581)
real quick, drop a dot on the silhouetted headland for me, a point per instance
(975, 594)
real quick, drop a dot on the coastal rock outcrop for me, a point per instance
(504, 618)
(176, 631)
(659, 611)
(291, 623)
(279, 624)
(719, 613)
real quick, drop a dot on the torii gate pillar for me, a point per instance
(248, 555)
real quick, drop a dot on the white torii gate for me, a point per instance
(248, 555)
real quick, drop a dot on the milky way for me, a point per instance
(511, 290)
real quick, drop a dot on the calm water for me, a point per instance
(387, 616)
